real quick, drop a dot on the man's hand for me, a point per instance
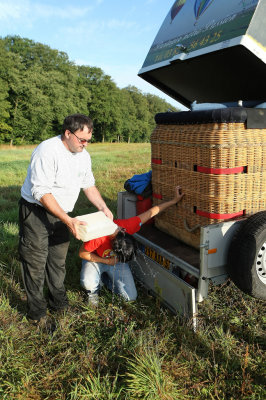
(72, 224)
(95, 198)
(108, 213)
(111, 260)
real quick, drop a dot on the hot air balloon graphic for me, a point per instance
(176, 8)
(200, 7)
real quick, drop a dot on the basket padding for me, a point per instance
(254, 117)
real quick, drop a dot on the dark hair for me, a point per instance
(124, 246)
(75, 122)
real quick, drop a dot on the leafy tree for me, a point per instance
(5, 128)
(142, 126)
(31, 53)
(39, 86)
(5, 106)
(157, 105)
(103, 105)
(42, 90)
(10, 71)
(130, 129)
(66, 95)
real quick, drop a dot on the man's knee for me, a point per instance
(86, 282)
(90, 281)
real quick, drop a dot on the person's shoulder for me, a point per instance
(85, 155)
(51, 143)
(49, 147)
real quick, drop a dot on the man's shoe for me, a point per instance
(44, 323)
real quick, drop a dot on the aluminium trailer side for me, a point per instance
(173, 271)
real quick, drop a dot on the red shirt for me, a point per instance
(103, 245)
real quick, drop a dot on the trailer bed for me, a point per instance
(171, 244)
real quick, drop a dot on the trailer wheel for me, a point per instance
(246, 264)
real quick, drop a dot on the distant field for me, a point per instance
(120, 351)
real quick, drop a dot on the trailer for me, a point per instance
(179, 274)
(210, 56)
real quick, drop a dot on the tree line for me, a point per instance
(39, 86)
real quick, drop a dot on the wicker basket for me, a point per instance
(221, 167)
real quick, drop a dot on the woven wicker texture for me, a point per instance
(239, 186)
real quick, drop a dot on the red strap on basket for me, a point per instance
(156, 161)
(219, 216)
(220, 171)
(157, 196)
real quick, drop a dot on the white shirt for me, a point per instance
(54, 169)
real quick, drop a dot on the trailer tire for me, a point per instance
(246, 264)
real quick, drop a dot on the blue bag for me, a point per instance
(140, 184)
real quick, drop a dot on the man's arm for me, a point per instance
(50, 203)
(94, 196)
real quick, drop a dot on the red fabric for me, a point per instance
(156, 161)
(219, 216)
(103, 246)
(144, 205)
(131, 225)
(220, 171)
(157, 196)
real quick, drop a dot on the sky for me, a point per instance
(114, 35)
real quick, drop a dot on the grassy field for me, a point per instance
(120, 351)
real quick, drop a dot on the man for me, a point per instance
(59, 168)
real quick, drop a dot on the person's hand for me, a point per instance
(178, 194)
(72, 225)
(112, 260)
(107, 212)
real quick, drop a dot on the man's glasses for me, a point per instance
(82, 141)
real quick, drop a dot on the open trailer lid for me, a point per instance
(210, 51)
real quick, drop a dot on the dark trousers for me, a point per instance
(43, 246)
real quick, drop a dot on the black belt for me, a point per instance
(28, 203)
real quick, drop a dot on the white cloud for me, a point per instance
(20, 9)
(117, 23)
(102, 35)
(83, 29)
(16, 10)
(42, 10)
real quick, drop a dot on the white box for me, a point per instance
(98, 225)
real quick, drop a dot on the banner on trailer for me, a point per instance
(195, 24)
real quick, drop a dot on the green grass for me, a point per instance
(120, 351)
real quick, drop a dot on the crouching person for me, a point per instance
(106, 259)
